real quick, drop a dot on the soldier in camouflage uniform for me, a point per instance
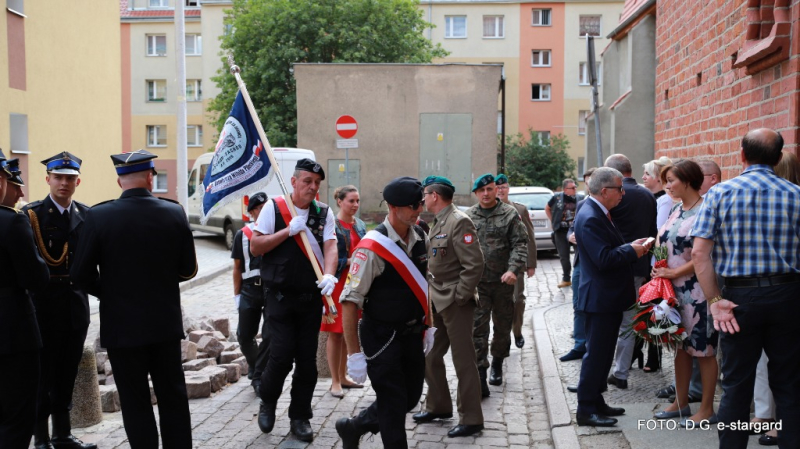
(504, 242)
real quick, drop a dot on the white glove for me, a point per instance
(297, 225)
(327, 283)
(236, 300)
(357, 367)
(427, 340)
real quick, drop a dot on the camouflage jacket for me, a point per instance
(503, 240)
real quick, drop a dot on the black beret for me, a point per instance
(256, 200)
(308, 165)
(403, 191)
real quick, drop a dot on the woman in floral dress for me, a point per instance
(683, 180)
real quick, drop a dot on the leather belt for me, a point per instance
(763, 281)
(255, 280)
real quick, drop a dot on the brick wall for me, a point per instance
(704, 105)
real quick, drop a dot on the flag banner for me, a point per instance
(240, 165)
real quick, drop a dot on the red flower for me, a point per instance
(680, 330)
(640, 326)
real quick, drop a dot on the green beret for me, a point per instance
(482, 181)
(501, 179)
(438, 180)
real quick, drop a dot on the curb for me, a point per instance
(564, 434)
(200, 280)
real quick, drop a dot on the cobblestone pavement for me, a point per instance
(515, 414)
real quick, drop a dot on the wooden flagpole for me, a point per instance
(235, 70)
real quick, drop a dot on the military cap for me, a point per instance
(16, 174)
(135, 161)
(501, 179)
(482, 181)
(307, 164)
(64, 163)
(403, 191)
(3, 164)
(256, 200)
(438, 180)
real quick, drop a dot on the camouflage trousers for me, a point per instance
(496, 302)
(519, 305)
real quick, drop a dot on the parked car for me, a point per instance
(535, 199)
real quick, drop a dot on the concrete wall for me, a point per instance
(387, 100)
(71, 94)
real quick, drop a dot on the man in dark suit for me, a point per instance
(635, 217)
(61, 309)
(605, 290)
(140, 310)
(21, 268)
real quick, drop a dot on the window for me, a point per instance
(194, 45)
(590, 25)
(158, 3)
(540, 92)
(16, 6)
(156, 45)
(493, 27)
(582, 122)
(540, 58)
(156, 135)
(541, 18)
(157, 90)
(584, 77)
(455, 27)
(544, 137)
(19, 133)
(194, 91)
(160, 182)
(194, 135)
(191, 2)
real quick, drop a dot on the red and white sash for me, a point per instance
(392, 253)
(287, 217)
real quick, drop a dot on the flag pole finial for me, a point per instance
(234, 68)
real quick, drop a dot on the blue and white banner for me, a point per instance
(240, 165)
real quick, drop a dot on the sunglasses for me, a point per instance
(418, 204)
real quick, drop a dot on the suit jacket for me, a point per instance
(635, 217)
(21, 268)
(606, 263)
(144, 248)
(60, 306)
(455, 259)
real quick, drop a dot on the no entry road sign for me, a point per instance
(346, 126)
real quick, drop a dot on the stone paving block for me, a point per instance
(188, 350)
(101, 379)
(222, 325)
(234, 372)
(109, 398)
(198, 364)
(198, 386)
(109, 380)
(107, 368)
(217, 375)
(242, 362)
(210, 346)
(195, 336)
(101, 358)
(219, 336)
(203, 355)
(229, 356)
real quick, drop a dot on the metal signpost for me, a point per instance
(346, 127)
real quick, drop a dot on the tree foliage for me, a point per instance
(537, 162)
(270, 35)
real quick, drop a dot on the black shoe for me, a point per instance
(256, 383)
(462, 430)
(301, 428)
(70, 442)
(266, 417)
(666, 392)
(41, 435)
(484, 386)
(595, 420)
(572, 355)
(496, 374)
(519, 341)
(423, 417)
(767, 440)
(619, 383)
(611, 411)
(572, 388)
(348, 432)
(638, 356)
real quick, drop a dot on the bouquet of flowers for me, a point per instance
(657, 319)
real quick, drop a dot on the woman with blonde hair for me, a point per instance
(652, 181)
(349, 230)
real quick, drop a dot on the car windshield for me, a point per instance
(532, 201)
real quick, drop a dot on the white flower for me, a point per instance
(672, 329)
(655, 331)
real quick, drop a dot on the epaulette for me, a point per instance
(16, 211)
(36, 203)
(101, 203)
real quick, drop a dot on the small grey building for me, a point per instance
(412, 120)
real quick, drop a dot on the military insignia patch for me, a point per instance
(354, 268)
(361, 256)
(440, 236)
(469, 238)
(434, 252)
(354, 281)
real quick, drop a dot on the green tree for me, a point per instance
(268, 36)
(538, 162)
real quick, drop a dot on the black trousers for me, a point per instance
(767, 318)
(60, 356)
(602, 330)
(397, 375)
(293, 323)
(251, 310)
(163, 362)
(563, 248)
(18, 401)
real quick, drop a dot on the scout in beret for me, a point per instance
(404, 191)
(256, 200)
(483, 181)
(308, 165)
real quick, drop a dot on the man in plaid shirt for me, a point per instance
(748, 231)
